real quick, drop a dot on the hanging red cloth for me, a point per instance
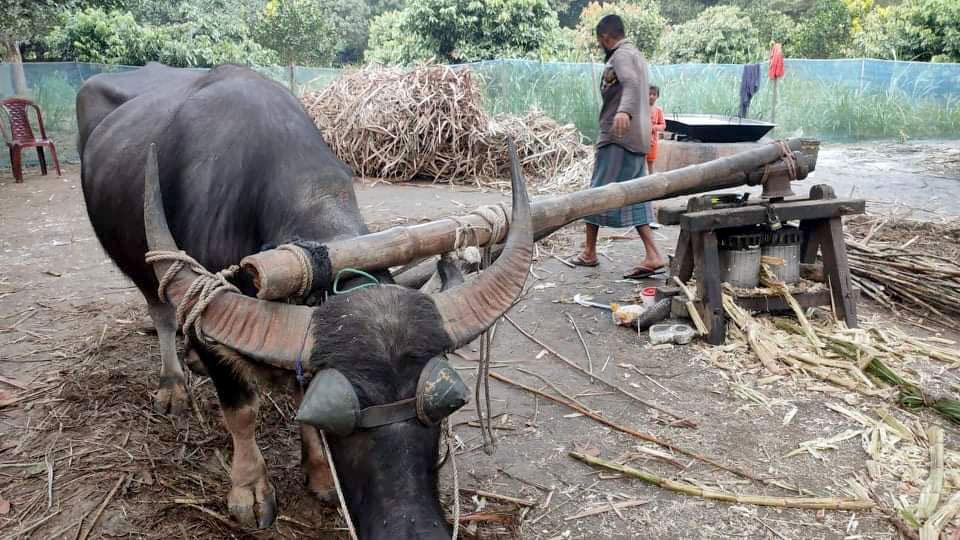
(776, 62)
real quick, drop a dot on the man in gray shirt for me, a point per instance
(624, 140)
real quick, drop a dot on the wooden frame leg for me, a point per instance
(810, 244)
(708, 259)
(682, 264)
(835, 265)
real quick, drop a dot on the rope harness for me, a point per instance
(207, 285)
(495, 217)
(201, 292)
(306, 268)
(446, 431)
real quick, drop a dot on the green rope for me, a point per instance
(336, 280)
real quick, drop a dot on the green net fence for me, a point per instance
(833, 100)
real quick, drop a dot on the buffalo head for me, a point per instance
(370, 348)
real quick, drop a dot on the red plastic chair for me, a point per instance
(23, 136)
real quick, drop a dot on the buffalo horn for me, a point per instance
(275, 333)
(470, 309)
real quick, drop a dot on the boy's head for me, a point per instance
(610, 31)
(654, 94)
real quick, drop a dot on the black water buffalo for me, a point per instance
(238, 165)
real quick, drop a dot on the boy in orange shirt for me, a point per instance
(657, 123)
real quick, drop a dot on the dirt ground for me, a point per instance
(82, 454)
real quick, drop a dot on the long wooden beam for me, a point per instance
(401, 245)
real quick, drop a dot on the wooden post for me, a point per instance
(293, 80)
(709, 289)
(682, 263)
(810, 244)
(830, 232)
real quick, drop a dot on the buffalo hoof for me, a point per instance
(253, 506)
(171, 399)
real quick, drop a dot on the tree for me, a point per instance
(349, 20)
(824, 31)
(298, 31)
(379, 7)
(391, 43)
(721, 34)
(23, 21)
(458, 31)
(116, 37)
(772, 25)
(641, 18)
(568, 11)
(922, 30)
(97, 36)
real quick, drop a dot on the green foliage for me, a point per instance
(641, 19)
(824, 31)
(298, 31)
(721, 34)
(391, 43)
(843, 111)
(926, 30)
(349, 20)
(93, 35)
(379, 7)
(681, 11)
(458, 31)
(772, 25)
(883, 34)
(568, 11)
(114, 37)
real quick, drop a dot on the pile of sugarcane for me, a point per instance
(907, 264)
(430, 122)
(867, 361)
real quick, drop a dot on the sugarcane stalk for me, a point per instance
(933, 487)
(805, 503)
(692, 308)
(931, 529)
(745, 323)
(770, 280)
(632, 432)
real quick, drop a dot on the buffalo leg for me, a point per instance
(251, 500)
(172, 395)
(315, 467)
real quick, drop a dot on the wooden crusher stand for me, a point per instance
(821, 225)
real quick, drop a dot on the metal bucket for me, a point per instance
(789, 271)
(740, 267)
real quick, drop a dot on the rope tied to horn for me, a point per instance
(201, 292)
(496, 222)
(306, 268)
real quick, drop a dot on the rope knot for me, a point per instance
(201, 292)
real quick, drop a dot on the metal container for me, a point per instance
(714, 128)
(740, 267)
(789, 271)
(785, 244)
